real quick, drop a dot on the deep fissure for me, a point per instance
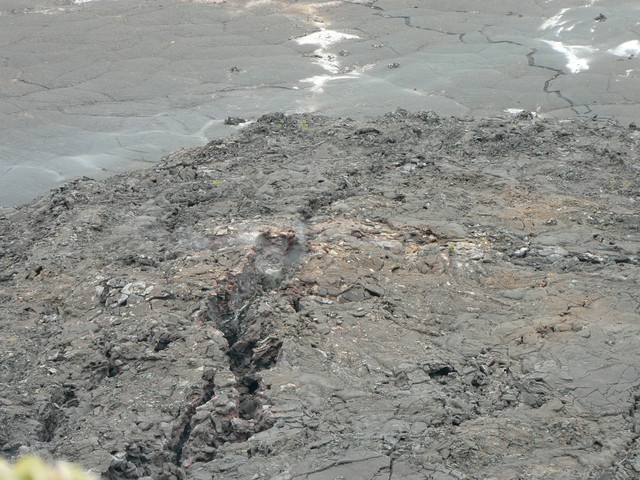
(252, 345)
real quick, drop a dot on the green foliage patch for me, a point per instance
(34, 468)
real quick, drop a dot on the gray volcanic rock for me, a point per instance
(315, 298)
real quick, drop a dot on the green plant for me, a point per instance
(34, 468)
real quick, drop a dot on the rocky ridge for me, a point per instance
(407, 297)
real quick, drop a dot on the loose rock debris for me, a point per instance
(408, 297)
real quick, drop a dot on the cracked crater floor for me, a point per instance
(101, 87)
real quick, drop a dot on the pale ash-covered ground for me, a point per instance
(408, 297)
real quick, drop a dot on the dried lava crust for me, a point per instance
(407, 297)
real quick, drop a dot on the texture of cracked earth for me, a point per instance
(96, 87)
(409, 297)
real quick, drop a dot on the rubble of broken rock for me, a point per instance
(406, 297)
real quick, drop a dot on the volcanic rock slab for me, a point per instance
(408, 297)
